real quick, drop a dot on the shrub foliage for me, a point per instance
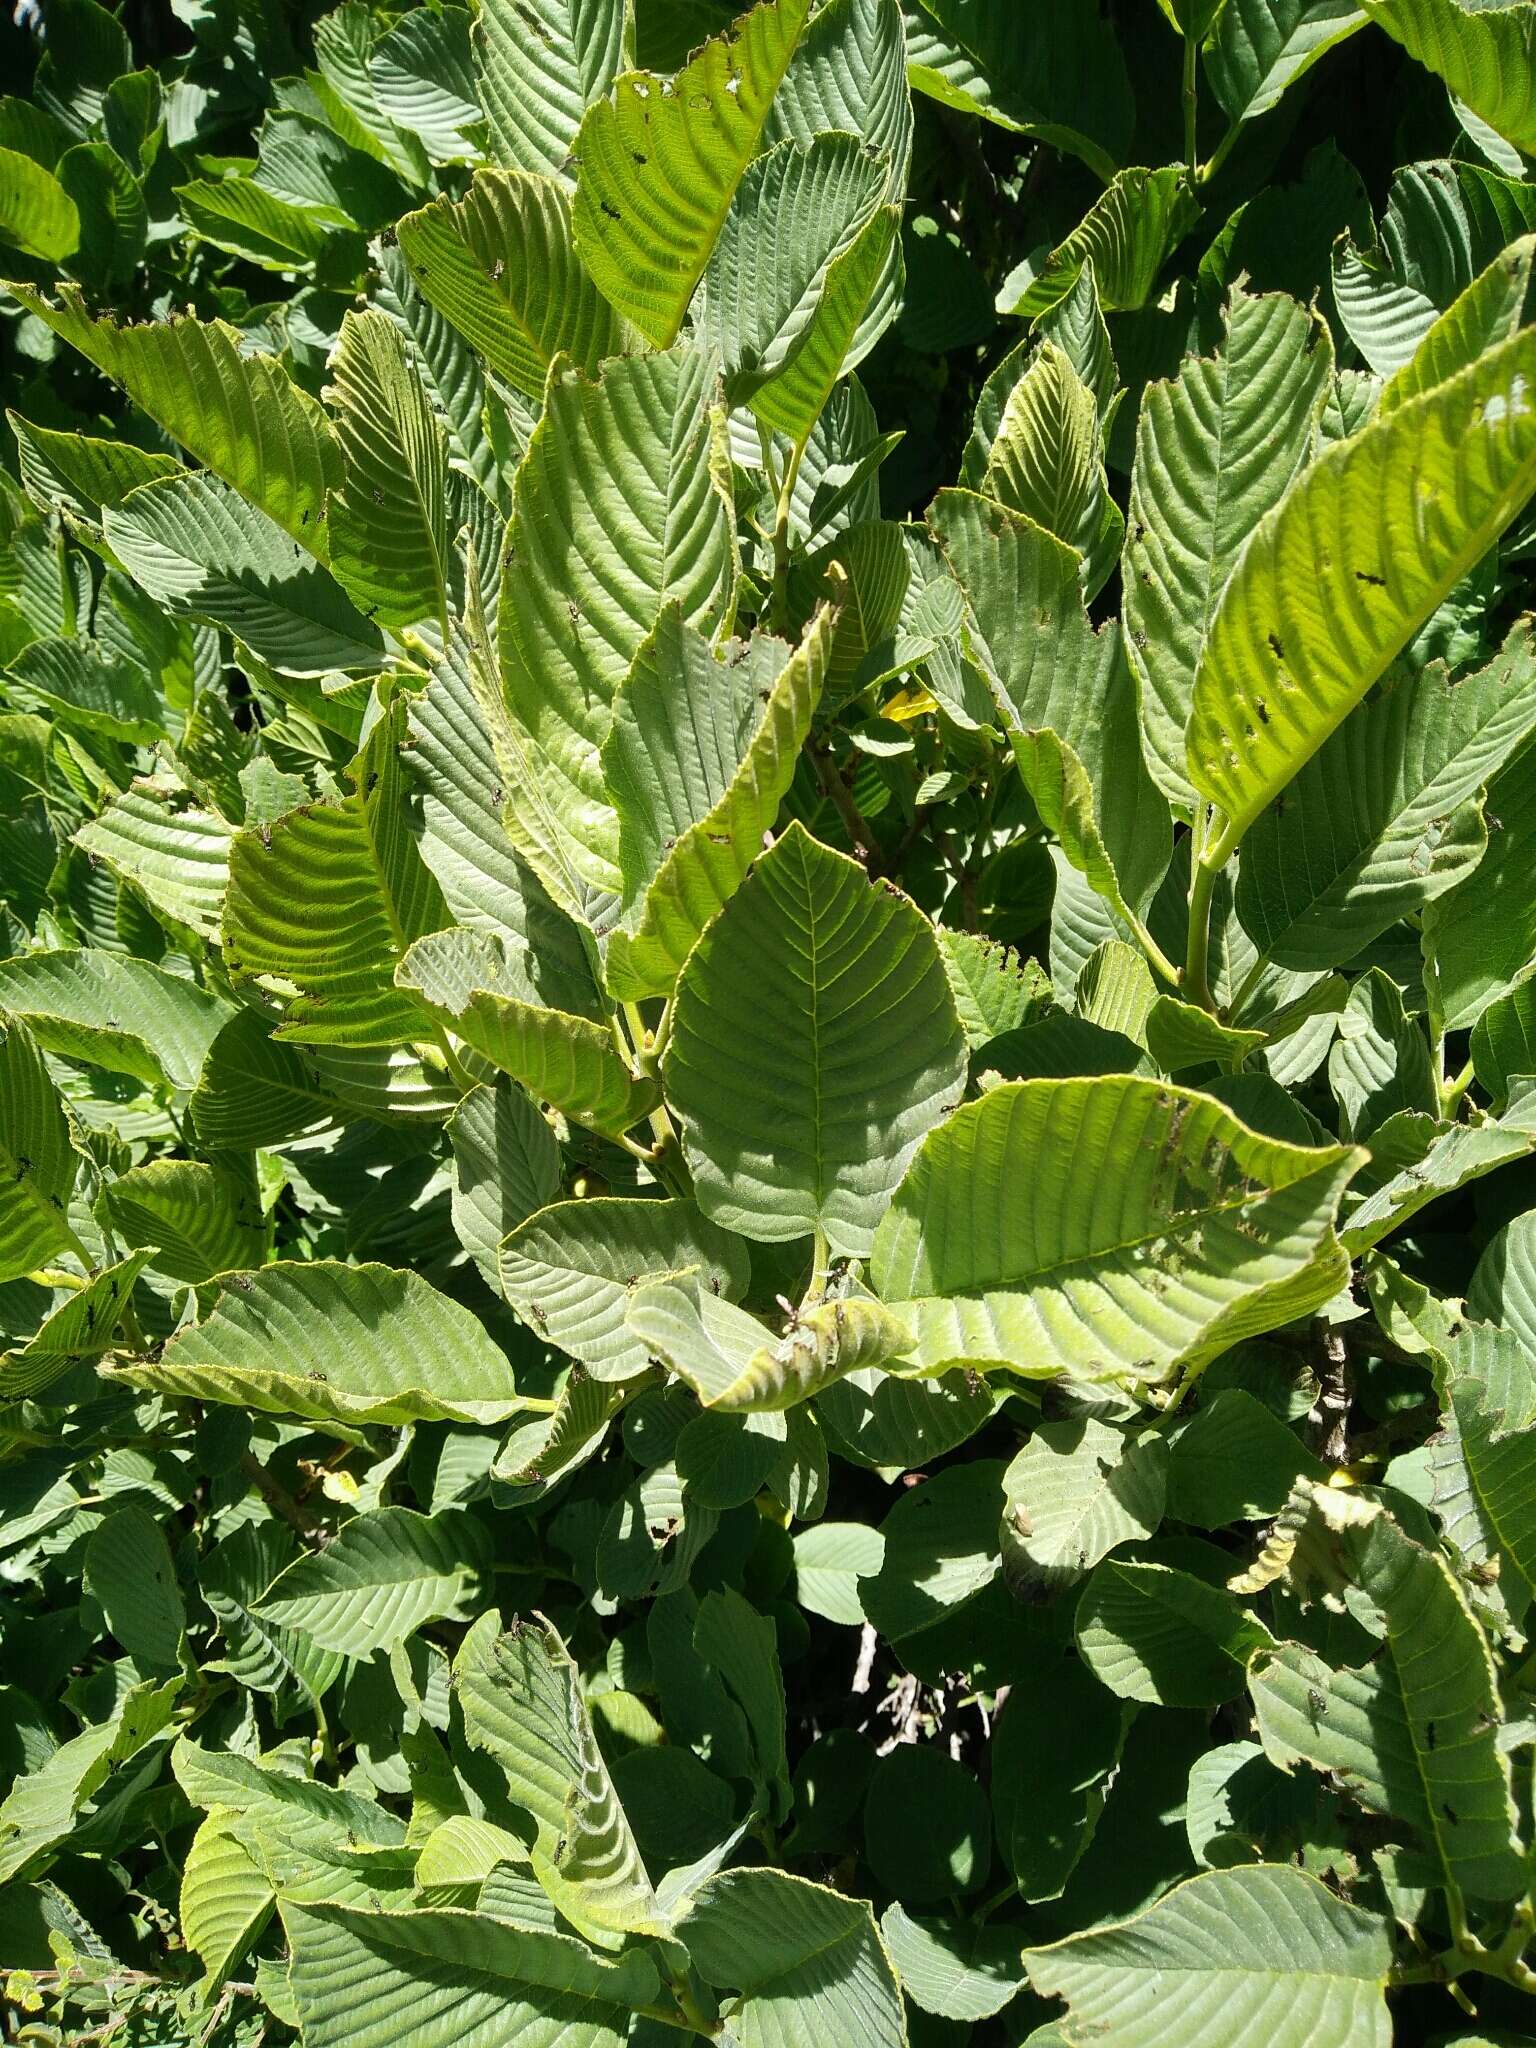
(767, 1229)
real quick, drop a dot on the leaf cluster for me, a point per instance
(767, 1040)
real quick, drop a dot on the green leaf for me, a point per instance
(1115, 990)
(538, 69)
(271, 1660)
(1126, 235)
(382, 1576)
(1234, 1461)
(225, 1900)
(1288, 656)
(572, 1270)
(506, 1164)
(343, 40)
(40, 1807)
(325, 901)
(321, 161)
(112, 212)
(455, 380)
(874, 558)
(501, 267)
(241, 415)
(1498, 1463)
(797, 211)
(37, 214)
(521, 1699)
(1494, 306)
(176, 856)
(849, 72)
(1436, 1718)
(1284, 1962)
(700, 756)
(1074, 1493)
(1503, 1290)
(255, 1090)
(830, 1559)
(490, 833)
(1242, 1809)
(319, 1339)
(1181, 1035)
(661, 161)
(1387, 318)
(814, 1041)
(1064, 695)
(78, 1331)
(462, 838)
(478, 1977)
(423, 80)
(652, 1537)
(470, 982)
(808, 1963)
(859, 299)
(129, 1568)
(1386, 815)
(955, 1969)
(1216, 447)
(1415, 1160)
(464, 1851)
(294, 1827)
(1350, 1723)
(79, 685)
(1151, 1633)
(622, 504)
(79, 474)
(243, 217)
(720, 1350)
(1379, 1064)
(1045, 1821)
(541, 1452)
(724, 1461)
(38, 1164)
(197, 1219)
(1050, 1228)
(1480, 938)
(1504, 1041)
(1484, 54)
(926, 1826)
(740, 1646)
(198, 548)
(112, 1011)
(389, 519)
(1059, 74)
(1045, 462)
(1261, 47)
(941, 1556)
(995, 990)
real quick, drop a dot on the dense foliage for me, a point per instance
(767, 1024)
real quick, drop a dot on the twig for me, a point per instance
(840, 796)
(1191, 98)
(1198, 942)
(904, 1703)
(277, 1496)
(1330, 1415)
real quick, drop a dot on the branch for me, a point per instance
(277, 1496)
(1330, 1416)
(840, 796)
